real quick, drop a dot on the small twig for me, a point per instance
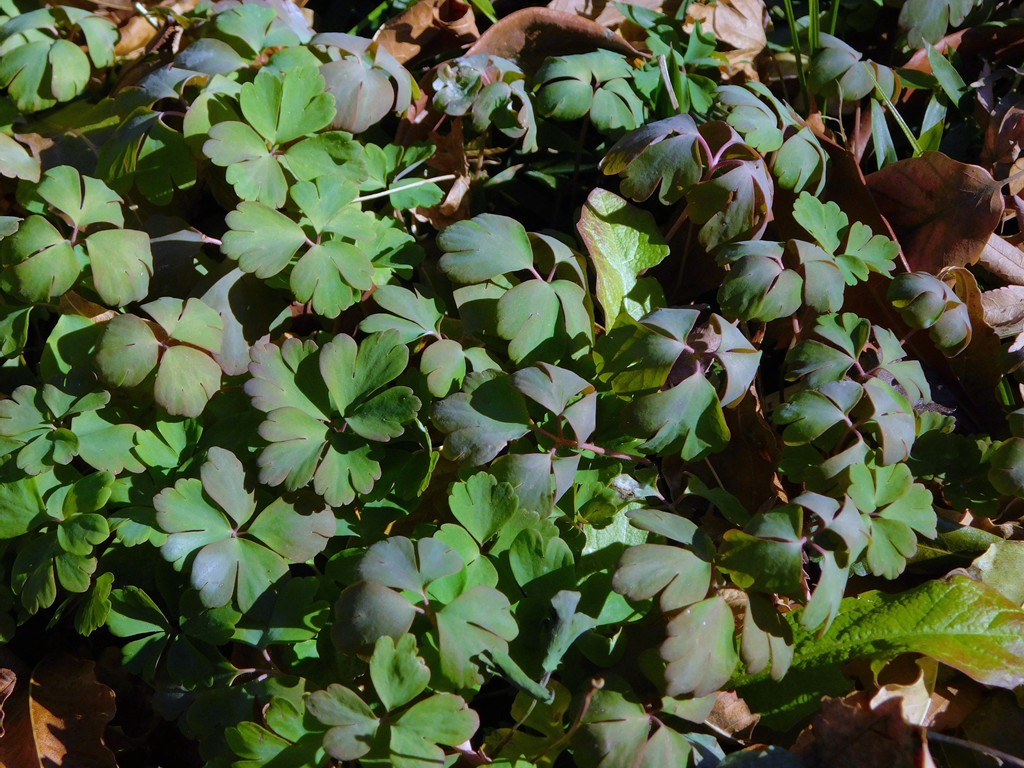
(991, 752)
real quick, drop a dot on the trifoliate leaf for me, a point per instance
(767, 555)
(664, 152)
(229, 552)
(442, 719)
(262, 240)
(285, 106)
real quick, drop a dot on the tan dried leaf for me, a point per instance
(427, 25)
(739, 24)
(1004, 309)
(58, 718)
(731, 715)
(1003, 259)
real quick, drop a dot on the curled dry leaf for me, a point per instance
(58, 718)
(7, 681)
(739, 24)
(429, 26)
(529, 36)
(943, 211)
(1004, 310)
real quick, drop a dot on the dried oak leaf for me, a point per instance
(57, 718)
(942, 211)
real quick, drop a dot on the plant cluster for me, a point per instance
(520, 405)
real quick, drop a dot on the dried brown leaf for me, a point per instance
(58, 718)
(427, 27)
(1004, 310)
(605, 12)
(1003, 259)
(739, 24)
(529, 36)
(731, 715)
(943, 211)
(1004, 140)
(977, 367)
(849, 733)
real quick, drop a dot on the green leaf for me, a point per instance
(664, 152)
(85, 201)
(252, 169)
(483, 505)
(285, 106)
(186, 381)
(686, 418)
(483, 248)
(368, 611)
(617, 730)
(480, 421)
(398, 674)
(700, 649)
(677, 575)
(16, 161)
(262, 240)
(957, 621)
(353, 724)
(395, 562)
(39, 263)
(133, 614)
(128, 351)
(121, 265)
(623, 242)
(767, 555)
(441, 719)
(926, 21)
(228, 555)
(478, 620)
(527, 317)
